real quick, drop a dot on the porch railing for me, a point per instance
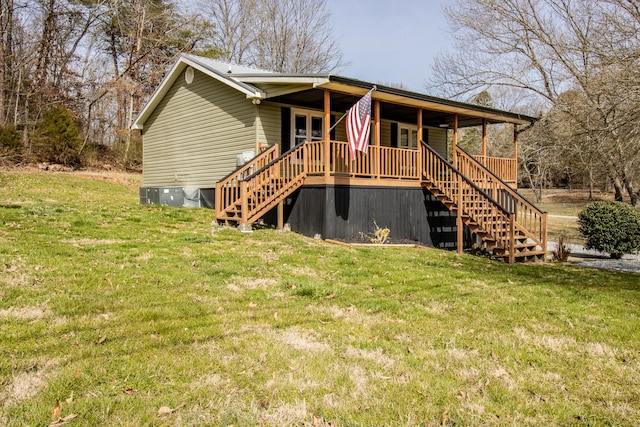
(528, 218)
(505, 168)
(380, 162)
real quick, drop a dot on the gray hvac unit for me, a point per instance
(149, 195)
(172, 196)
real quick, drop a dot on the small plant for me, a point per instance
(562, 251)
(379, 235)
(612, 227)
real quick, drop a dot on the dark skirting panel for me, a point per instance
(344, 212)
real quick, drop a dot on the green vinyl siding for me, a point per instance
(341, 130)
(193, 136)
(438, 140)
(269, 130)
(385, 133)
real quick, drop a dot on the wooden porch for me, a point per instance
(507, 224)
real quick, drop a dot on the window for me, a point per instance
(307, 126)
(408, 137)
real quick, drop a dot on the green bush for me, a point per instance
(10, 138)
(612, 227)
(57, 139)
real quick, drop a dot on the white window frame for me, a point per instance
(309, 114)
(411, 130)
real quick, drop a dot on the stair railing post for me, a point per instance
(512, 239)
(305, 158)
(218, 198)
(544, 234)
(459, 224)
(245, 201)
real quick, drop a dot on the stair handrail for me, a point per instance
(252, 184)
(249, 163)
(273, 162)
(509, 188)
(490, 206)
(227, 189)
(470, 182)
(540, 236)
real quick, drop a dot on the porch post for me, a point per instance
(459, 201)
(420, 136)
(376, 118)
(376, 138)
(515, 155)
(484, 138)
(327, 136)
(455, 140)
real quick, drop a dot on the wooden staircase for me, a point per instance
(248, 193)
(505, 223)
(509, 225)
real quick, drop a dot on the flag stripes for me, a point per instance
(358, 126)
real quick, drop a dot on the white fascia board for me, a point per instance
(282, 79)
(282, 85)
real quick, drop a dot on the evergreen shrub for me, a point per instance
(612, 227)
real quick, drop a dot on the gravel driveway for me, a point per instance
(595, 259)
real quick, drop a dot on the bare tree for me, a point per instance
(279, 35)
(549, 48)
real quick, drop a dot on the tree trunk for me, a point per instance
(633, 196)
(619, 190)
(6, 59)
(44, 54)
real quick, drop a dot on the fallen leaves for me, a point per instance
(57, 410)
(56, 414)
(165, 410)
(445, 417)
(101, 340)
(63, 421)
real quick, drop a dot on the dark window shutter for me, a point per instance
(394, 135)
(285, 129)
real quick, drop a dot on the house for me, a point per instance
(254, 145)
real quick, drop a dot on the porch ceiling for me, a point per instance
(396, 108)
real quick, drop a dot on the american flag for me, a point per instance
(358, 121)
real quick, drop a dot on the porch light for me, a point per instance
(443, 125)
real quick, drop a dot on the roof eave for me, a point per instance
(183, 61)
(414, 99)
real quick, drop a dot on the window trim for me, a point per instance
(309, 114)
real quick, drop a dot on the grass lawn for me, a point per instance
(130, 315)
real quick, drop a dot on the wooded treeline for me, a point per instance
(74, 73)
(573, 63)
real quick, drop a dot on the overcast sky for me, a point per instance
(389, 41)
